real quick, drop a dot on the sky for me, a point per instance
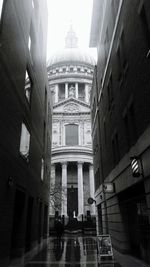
(62, 14)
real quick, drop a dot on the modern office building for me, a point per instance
(121, 123)
(70, 74)
(25, 130)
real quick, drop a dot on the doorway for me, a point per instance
(18, 229)
(29, 224)
(134, 211)
(72, 202)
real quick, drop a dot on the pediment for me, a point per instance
(71, 105)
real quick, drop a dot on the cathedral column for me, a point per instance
(52, 184)
(92, 187)
(66, 90)
(56, 93)
(64, 189)
(80, 190)
(86, 93)
(76, 90)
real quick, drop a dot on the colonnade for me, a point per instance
(76, 91)
(80, 187)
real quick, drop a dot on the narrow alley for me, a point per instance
(79, 251)
(75, 133)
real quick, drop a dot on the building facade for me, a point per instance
(70, 75)
(25, 130)
(121, 124)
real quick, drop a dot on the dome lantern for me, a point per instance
(71, 53)
(71, 40)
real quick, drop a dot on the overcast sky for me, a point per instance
(63, 13)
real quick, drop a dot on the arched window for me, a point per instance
(71, 131)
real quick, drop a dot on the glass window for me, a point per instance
(24, 142)
(71, 134)
(81, 91)
(29, 43)
(28, 86)
(1, 6)
(33, 3)
(61, 92)
(42, 169)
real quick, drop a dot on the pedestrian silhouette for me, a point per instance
(59, 228)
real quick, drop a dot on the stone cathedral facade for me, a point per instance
(70, 75)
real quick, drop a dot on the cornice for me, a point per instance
(68, 75)
(70, 63)
(71, 114)
(70, 79)
(72, 150)
(72, 100)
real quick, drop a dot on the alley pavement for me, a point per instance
(79, 251)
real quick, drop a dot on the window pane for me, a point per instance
(29, 43)
(61, 92)
(28, 85)
(33, 3)
(71, 134)
(1, 5)
(81, 91)
(42, 169)
(24, 141)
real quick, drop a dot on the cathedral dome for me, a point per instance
(71, 53)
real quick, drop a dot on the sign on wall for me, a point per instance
(104, 246)
(109, 188)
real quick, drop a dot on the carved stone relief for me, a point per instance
(71, 108)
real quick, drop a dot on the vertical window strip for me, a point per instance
(145, 26)
(29, 43)
(24, 141)
(28, 86)
(42, 169)
(33, 3)
(45, 103)
(1, 8)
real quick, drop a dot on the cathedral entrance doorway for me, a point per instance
(72, 202)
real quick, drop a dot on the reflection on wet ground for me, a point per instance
(69, 251)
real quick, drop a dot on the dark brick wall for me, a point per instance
(18, 21)
(132, 88)
(124, 119)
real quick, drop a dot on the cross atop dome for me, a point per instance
(71, 40)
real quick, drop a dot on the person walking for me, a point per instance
(59, 228)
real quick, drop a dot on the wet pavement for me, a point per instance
(70, 251)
